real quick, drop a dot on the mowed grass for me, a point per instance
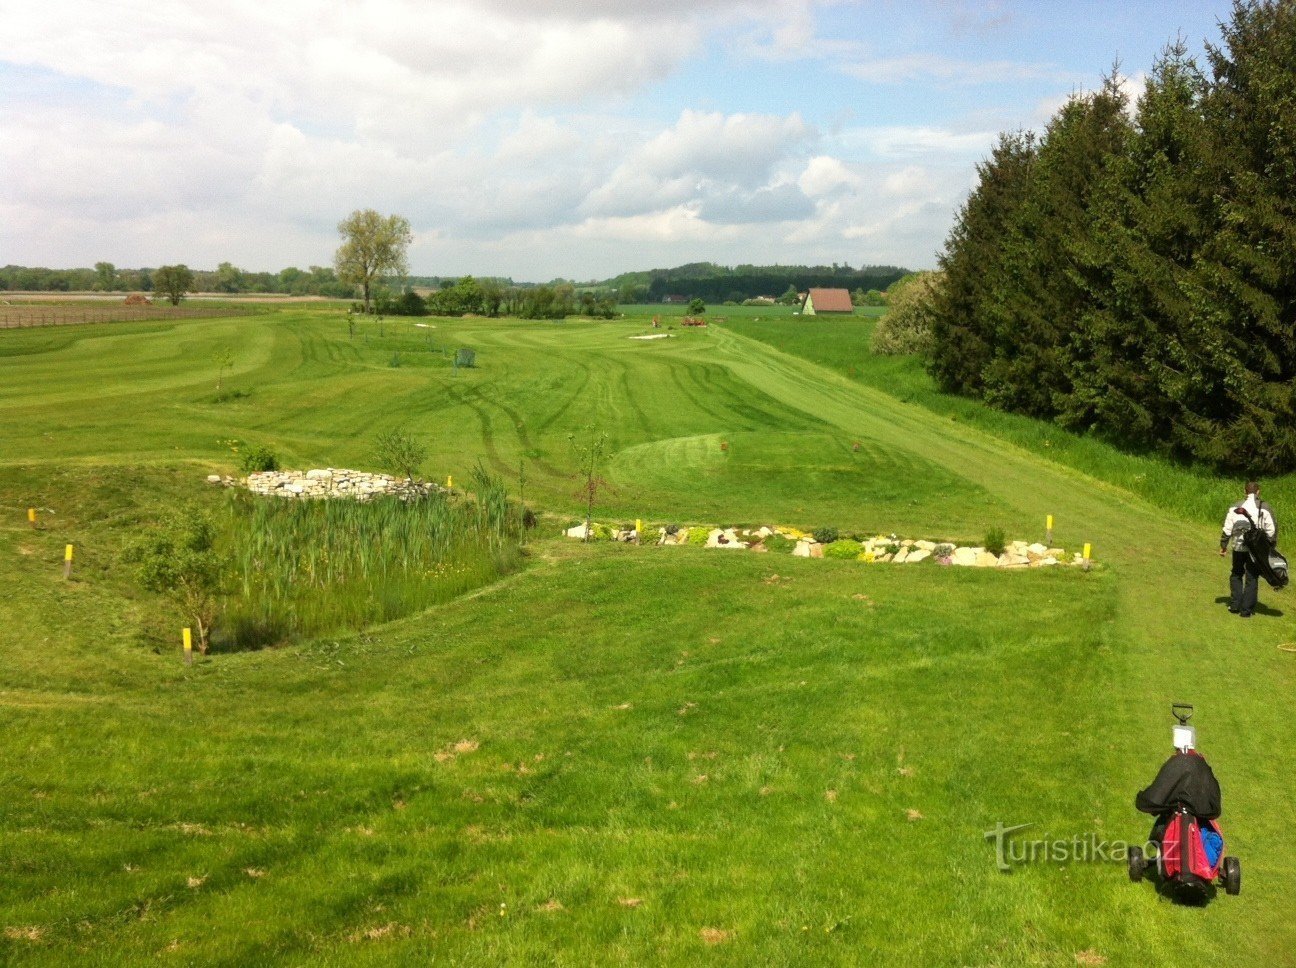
(565, 766)
(843, 346)
(635, 755)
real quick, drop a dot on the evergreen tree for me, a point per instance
(1242, 414)
(1150, 218)
(963, 317)
(1050, 280)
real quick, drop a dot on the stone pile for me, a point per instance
(880, 548)
(329, 482)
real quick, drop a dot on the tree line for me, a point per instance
(226, 278)
(718, 284)
(1135, 276)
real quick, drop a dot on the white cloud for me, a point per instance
(936, 68)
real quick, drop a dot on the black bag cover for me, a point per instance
(1186, 779)
(1271, 565)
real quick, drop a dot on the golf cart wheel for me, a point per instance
(1232, 875)
(1137, 864)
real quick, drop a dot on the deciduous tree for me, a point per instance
(173, 282)
(373, 246)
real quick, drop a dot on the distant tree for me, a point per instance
(173, 282)
(373, 246)
(791, 297)
(696, 307)
(229, 278)
(106, 279)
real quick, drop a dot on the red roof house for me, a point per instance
(826, 301)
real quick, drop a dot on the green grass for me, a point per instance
(426, 790)
(843, 345)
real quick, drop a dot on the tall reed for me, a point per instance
(303, 568)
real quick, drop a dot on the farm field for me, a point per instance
(616, 754)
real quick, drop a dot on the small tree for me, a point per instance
(224, 361)
(791, 297)
(589, 453)
(696, 307)
(173, 282)
(181, 560)
(400, 453)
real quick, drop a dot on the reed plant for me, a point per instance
(306, 568)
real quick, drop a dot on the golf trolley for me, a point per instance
(1186, 845)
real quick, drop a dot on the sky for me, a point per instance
(533, 140)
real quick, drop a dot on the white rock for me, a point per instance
(802, 549)
(901, 556)
(576, 532)
(925, 545)
(1038, 549)
(917, 555)
(964, 557)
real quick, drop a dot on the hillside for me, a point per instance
(618, 753)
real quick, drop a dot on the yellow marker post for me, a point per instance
(1086, 556)
(638, 526)
(1048, 529)
(188, 647)
(31, 517)
(449, 482)
(67, 562)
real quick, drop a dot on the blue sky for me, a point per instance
(532, 140)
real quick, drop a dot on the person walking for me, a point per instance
(1244, 579)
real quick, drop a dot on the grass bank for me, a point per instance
(843, 346)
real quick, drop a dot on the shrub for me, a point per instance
(600, 532)
(844, 550)
(995, 542)
(698, 536)
(825, 535)
(259, 458)
(672, 529)
(907, 327)
(180, 559)
(779, 544)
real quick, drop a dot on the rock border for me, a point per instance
(328, 483)
(877, 549)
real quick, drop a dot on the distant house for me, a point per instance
(675, 298)
(831, 301)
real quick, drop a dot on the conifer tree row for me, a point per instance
(1137, 276)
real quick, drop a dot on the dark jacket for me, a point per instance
(1185, 778)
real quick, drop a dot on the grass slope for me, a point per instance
(499, 778)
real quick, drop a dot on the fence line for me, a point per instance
(24, 317)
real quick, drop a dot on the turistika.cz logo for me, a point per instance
(1086, 848)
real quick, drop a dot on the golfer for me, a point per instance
(1244, 579)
